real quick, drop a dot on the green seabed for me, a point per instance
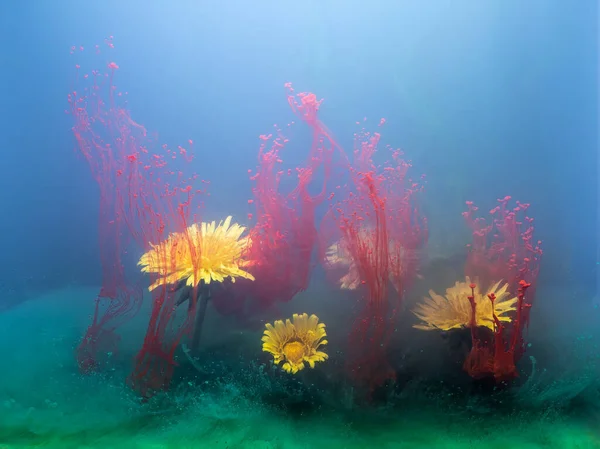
(44, 402)
(226, 422)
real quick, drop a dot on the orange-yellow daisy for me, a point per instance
(295, 342)
(203, 252)
(453, 311)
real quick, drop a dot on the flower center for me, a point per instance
(294, 351)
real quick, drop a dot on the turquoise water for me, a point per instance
(45, 402)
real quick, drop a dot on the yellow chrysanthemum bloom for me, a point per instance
(338, 256)
(295, 342)
(203, 252)
(454, 310)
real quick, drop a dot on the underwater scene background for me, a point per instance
(299, 224)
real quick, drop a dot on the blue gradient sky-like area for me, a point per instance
(487, 98)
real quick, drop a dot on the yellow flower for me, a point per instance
(454, 310)
(340, 258)
(203, 252)
(295, 342)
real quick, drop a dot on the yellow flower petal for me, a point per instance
(295, 341)
(453, 311)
